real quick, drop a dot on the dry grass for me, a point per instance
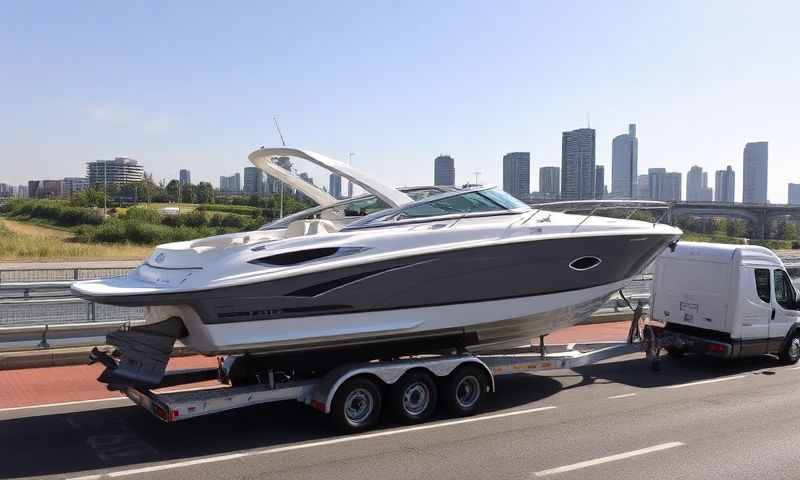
(21, 241)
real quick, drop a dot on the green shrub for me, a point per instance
(233, 221)
(141, 214)
(194, 219)
(240, 209)
(216, 220)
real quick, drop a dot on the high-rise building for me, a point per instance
(22, 191)
(253, 181)
(697, 189)
(550, 182)
(600, 182)
(185, 176)
(349, 189)
(578, 164)
(444, 171)
(46, 188)
(794, 194)
(755, 174)
(517, 174)
(6, 190)
(664, 186)
(624, 164)
(335, 185)
(643, 187)
(118, 171)
(73, 185)
(232, 184)
(725, 185)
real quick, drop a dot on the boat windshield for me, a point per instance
(352, 208)
(486, 201)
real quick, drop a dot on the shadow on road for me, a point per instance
(125, 437)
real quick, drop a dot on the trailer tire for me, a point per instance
(412, 399)
(790, 353)
(676, 352)
(463, 390)
(356, 406)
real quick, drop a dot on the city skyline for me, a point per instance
(677, 86)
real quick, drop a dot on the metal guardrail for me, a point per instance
(59, 274)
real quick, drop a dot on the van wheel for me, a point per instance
(356, 406)
(675, 352)
(791, 352)
(413, 397)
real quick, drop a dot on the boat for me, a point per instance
(464, 270)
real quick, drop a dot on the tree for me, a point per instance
(721, 226)
(737, 228)
(790, 231)
(172, 190)
(187, 193)
(204, 193)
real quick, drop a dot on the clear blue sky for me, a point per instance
(195, 84)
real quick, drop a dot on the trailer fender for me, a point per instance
(388, 373)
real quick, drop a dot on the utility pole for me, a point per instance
(350, 182)
(105, 187)
(283, 142)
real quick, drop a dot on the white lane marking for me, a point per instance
(703, 382)
(95, 400)
(610, 458)
(624, 395)
(795, 368)
(88, 477)
(300, 446)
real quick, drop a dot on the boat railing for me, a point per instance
(594, 206)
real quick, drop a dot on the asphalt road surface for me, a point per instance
(696, 418)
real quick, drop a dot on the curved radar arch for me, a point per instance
(262, 158)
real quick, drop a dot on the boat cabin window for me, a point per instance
(762, 285)
(467, 203)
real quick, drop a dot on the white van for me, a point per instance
(727, 301)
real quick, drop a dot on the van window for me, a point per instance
(762, 284)
(784, 291)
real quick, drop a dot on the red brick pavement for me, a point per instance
(38, 386)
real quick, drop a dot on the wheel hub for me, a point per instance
(416, 398)
(358, 405)
(468, 391)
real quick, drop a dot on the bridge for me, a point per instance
(757, 215)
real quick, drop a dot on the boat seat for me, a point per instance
(301, 228)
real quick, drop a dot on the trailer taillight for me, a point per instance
(715, 348)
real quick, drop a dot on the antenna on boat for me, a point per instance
(278, 128)
(283, 142)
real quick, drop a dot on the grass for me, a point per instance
(27, 242)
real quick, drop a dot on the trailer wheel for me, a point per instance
(791, 352)
(676, 352)
(463, 390)
(357, 405)
(413, 397)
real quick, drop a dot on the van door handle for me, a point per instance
(773, 315)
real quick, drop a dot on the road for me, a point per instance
(695, 419)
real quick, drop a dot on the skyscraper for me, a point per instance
(517, 174)
(335, 185)
(444, 171)
(643, 187)
(624, 164)
(664, 186)
(232, 184)
(600, 182)
(550, 181)
(754, 177)
(253, 181)
(273, 185)
(697, 189)
(578, 164)
(185, 176)
(794, 194)
(725, 185)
